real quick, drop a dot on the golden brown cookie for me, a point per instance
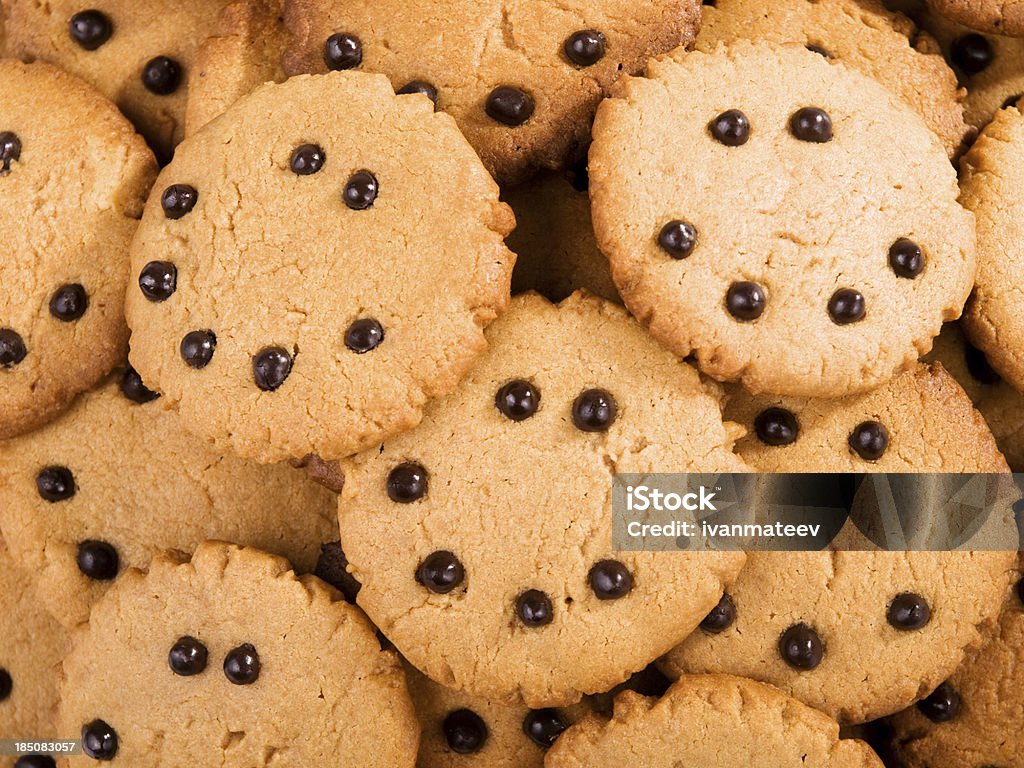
(776, 228)
(74, 176)
(522, 79)
(315, 265)
(999, 17)
(482, 537)
(116, 479)
(232, 660)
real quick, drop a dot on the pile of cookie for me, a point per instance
(325, 325)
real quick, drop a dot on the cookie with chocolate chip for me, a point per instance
(314, 266)
(249, 663)
(116, 479)
(496, 574)
(861, 34)
(835, 262)
(973, 718)
(74, 176)
(997, 17)
(716, 721)
(140, 55)
(522, 79)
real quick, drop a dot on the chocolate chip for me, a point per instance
(360, 191)
(594, 410)
(187, 657)
(908, 611)
(610, 580)
(99, 740)
(972, 53)
(846, 306)
(544, 726)
(818, 50)
(440, 572)
(133, 388)
(776, 426)
(197, 348)
(308, 159)
(97, 560)
(178, 200)
(158, 280)
(585, 48)
(90, 29)
(242, 665)
(517, 400)
(419, 86)
(364, 335)
(721, 617)
(811, 124)
(35, 761)
(465, 732)
(407, 483)
(745, 301)
(343, 51)
(55, 484)
(731, 128)
(906, 258)
(332, 567)
(509, 106)
(869, 440)
(69, 302)
(534, 608)
(161, 75)
(6, 684)
(800, 647)
(678, 238)
(270, 368)
(942, 705)
(978, 365)
(12, 348)
(10, 151)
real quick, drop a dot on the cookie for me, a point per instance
(140, 55)
(714, 721)
(31, 647)
(556, 253)
(998, 17)
(521, 79)
(74, 176)
(972, 719)
(831, 262)
(864, 36)
(314, 265)
(496, 573)
(77, 512)
(251, 665)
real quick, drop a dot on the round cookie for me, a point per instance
(972, 719)
(496, 574)
(115, 479)
(554, 240)
(140, 55)
(31, 647)
(827, 267)
(522, 79)
(74, 176)
(314, 265)
(714, 721)
(251, 665)
(863, 35)
(998, 17)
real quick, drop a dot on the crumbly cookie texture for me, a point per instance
(973, 718)
(522, 79)
(32, 645)
(139, 55)
(556, 253)
(116, 479)
(862, 34)
(998, 17)
(482, 538)
(314, 265)
(74, 176)
(249, 664)
(715, 721)
(829, 269)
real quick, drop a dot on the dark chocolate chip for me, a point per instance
(407, 483)
(776, 426)
(942, 705)
(440, 572)
(55, 484)
(800, 647)
(197, 348)
(178, 200)
(90, 29)
(187, 657)
(517, 400)
(544, 726)
(6, 684)
(360, 191)
(906, 258)
(610, 580)
(465, 732)
(99, 740)
(846, 306)
(811, 124)
(869, 440)
(12, 348)
(69, 302)
(270, 368)
(97, 560)
(10, 150)
(419, 86)
(908, 611)
(594, 410)
(133, 388)
(731, 128)
(161, 75)
(332, 567)
(364, 335)
(242, 665)
(509, 106)
(678, 238)
(343, 51)
(158, 280)
(746, 301)
(972, 53)
(585, 48)
(721, 617)
(35, 761)
(534, 608)
(308, 159)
